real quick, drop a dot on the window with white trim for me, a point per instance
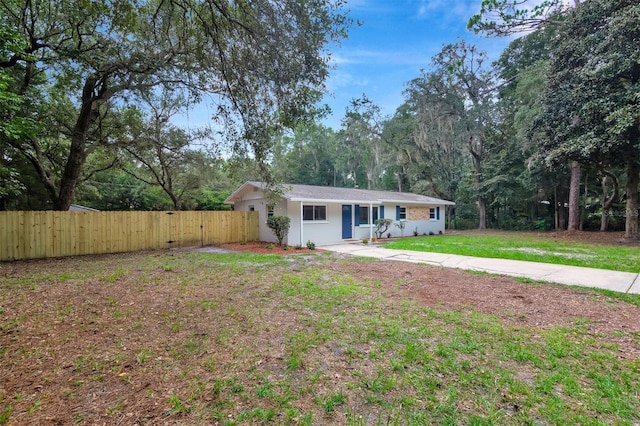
(364, 215)
(270, 211)
(313, 213)
(402, 213)
(432, 213)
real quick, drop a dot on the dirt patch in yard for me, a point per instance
(515, 303)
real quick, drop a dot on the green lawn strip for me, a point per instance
(524, 247)
(285, 342)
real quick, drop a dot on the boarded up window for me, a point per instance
(417, 213)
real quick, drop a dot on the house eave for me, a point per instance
(374, 202)
(333, 201)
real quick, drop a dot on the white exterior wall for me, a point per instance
(256, 200)
(320, 232)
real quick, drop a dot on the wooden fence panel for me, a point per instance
(38, 234)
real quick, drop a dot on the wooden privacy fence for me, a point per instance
(38, 234)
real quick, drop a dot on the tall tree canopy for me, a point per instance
(436, 143)
(470, 84)
(507, 17)
(308, 155)
(592, 107)
(361, 151)
(75, 64)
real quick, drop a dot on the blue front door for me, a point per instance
(347, 222)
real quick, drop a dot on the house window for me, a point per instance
(402, 213)
(310, 213)
(270, 211)
(364, 215)
(432, 214)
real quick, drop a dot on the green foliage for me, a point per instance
(310, 155)
(211, 199)
(268, 72)
(507, 17)
(280, 226)
(591, 98)
(361, 144)
(591, 105)
(382, 225)
(311, 245)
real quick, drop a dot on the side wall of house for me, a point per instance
(257, 202)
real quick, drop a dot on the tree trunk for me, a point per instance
(477, 180)
(633, 179)
(607, 202)
(561, 216)
(556, 213)
(574, 197)
(93, 94)
(583, 212)
(71, 173)
(482, 213)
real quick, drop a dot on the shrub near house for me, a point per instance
(280, 227)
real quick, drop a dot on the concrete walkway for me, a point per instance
(623, 282)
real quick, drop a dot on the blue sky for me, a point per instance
(396, 40)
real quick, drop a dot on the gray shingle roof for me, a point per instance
(309, 193)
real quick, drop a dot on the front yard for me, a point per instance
(193, 337)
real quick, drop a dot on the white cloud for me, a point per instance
(363, 57)
(340, 79)
(451, 9)
(340, 60)
(429, 5)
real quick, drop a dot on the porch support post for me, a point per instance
(370, 221)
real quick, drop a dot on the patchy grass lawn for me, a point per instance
(526, 246)
(200, 338)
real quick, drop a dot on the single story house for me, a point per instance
(328, 215)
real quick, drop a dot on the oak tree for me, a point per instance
(592, 108)
(263, 62)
